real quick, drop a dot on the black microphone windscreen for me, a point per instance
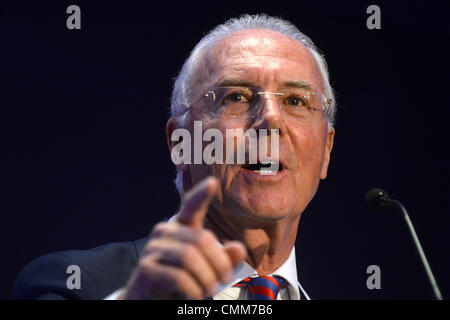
(373, 197)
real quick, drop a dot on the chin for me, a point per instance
(262, 205)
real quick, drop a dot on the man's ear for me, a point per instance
(171, 126)
(328, 148)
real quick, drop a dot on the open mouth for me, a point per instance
(270, 168)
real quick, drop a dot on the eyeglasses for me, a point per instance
(300, 105)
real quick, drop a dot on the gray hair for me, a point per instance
(183, 90)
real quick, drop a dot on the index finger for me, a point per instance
(196, 202)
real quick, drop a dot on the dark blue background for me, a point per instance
(84, 154)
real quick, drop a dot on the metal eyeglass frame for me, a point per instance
(326, 103)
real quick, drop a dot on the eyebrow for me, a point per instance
(298, 84)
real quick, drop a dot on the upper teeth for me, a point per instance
(272, 169)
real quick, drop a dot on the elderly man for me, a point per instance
(234, 235)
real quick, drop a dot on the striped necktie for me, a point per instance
(263, 288)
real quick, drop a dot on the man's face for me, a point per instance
(267, 60)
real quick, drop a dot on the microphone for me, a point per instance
(378, 199)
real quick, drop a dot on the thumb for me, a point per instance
(236, 251)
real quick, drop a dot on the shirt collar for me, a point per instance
(288, 270)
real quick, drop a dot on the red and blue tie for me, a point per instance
(263, 288)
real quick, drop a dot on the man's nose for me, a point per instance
(269, 115)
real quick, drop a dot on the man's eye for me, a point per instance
(296, 101)
(236, 98)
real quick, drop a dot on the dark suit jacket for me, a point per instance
(103, 270)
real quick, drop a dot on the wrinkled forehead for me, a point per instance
(261, 50)
(260, 41)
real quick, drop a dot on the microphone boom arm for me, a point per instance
(398, 204)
